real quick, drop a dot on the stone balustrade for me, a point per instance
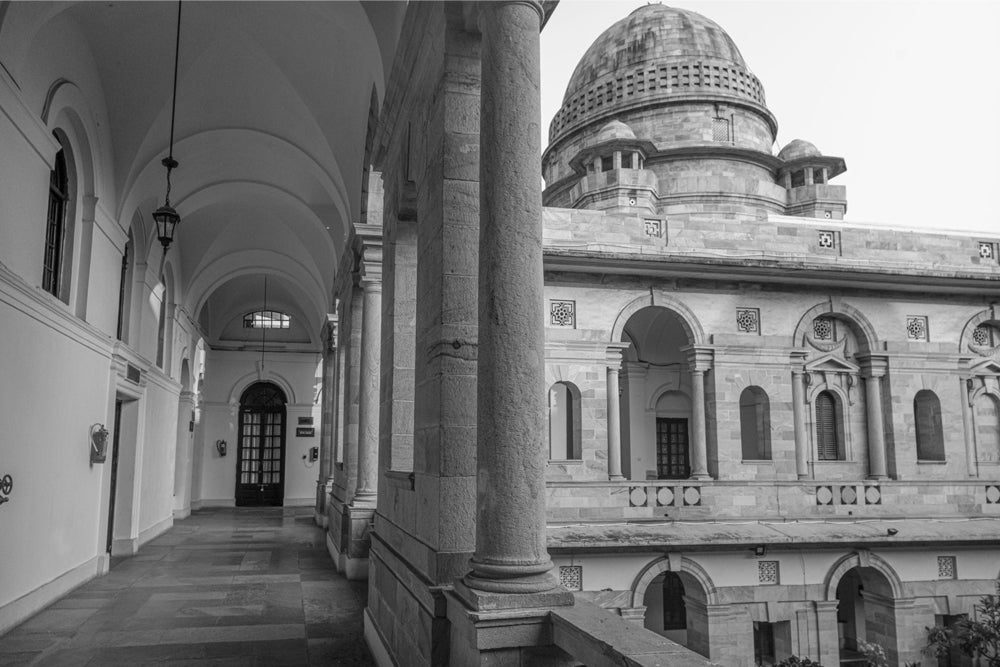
(700, 500)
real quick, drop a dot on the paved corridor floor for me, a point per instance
(222, 587)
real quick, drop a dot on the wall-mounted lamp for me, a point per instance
(98, 444)
(220, 446)
(760, 550)
(892, 531)
(6, 486)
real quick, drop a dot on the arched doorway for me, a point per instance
(675, 608)
(865, 613)
(260, 470)
(658, 397)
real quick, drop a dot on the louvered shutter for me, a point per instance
(826, 428)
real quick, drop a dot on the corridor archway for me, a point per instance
(865, 613)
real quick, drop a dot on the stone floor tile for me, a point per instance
(223, 587)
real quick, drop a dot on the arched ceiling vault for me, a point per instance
(272, 113)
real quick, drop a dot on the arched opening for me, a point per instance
(987, 420)
(675, 609)
(161, 324)
(865, 613)
(829, 427)
(183, 454)
(564, 422)
(260, 470)
(656, 443)
(755, 424)
(927, 420)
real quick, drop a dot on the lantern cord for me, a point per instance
(170, 162)
(263, 328)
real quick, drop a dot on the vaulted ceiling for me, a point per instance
(273, 102)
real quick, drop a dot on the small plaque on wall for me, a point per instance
(305, 432)
(305, 421)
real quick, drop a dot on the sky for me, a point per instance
(907, 92)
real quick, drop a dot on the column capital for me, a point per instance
(613, 353)
(699, 357)
(331, 330)
(368, 253)
(474, 14)
(874, 365)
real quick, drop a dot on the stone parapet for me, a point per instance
(700, 500)
(769, 242)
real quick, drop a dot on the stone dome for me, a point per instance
(614, 130)
(657, 55)
(798, 148)
(653, 34)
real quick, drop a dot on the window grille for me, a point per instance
(720, 130)
(571, 577)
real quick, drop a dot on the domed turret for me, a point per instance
(798, 148)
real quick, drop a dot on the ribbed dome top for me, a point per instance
(653, 34)
(798, 148)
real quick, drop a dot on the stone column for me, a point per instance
(614, 426)
(874, 370)
(799, 418)
(511, 554)
(699, 361)
(971, 458)
(368, 404)
(827, 649)
(327, 429)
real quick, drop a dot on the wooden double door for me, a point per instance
(260, 464)
(673, 452)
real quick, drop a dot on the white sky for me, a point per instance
(908, 93)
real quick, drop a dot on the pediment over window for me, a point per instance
(831, 363)
(988, 367)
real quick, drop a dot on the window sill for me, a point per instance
(399, 479)
(578, 462)
(930, 462)
(758, 462)
(829, 462)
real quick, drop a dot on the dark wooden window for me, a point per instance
(755, 424)
(674, 611)
(763, 643)
(55, 228)
(927, 417)
(827, 427)
(672, 455)
(607, 163)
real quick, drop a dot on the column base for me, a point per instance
(364, 500)
(616, 478)
(701, 476)
(510, 633)
(478, 600)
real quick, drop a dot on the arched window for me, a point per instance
(266, 319)
(829, 428)
(755, 424)
(927, 417)
(55, 229)
(564, 422)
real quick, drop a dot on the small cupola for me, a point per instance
(805, 174)
(612, 171)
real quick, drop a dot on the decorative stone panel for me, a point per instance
(873, 495)
(823, 328)
(571, 577)
(653, 227)
(946, 567)
(827, 240)
(748, 320)
(824, 495)
(916, 328)
(562, 313)
(983, 335)
(848, 496)
(692, 496)
(993, 494)
(987, 251)
(767, 572)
